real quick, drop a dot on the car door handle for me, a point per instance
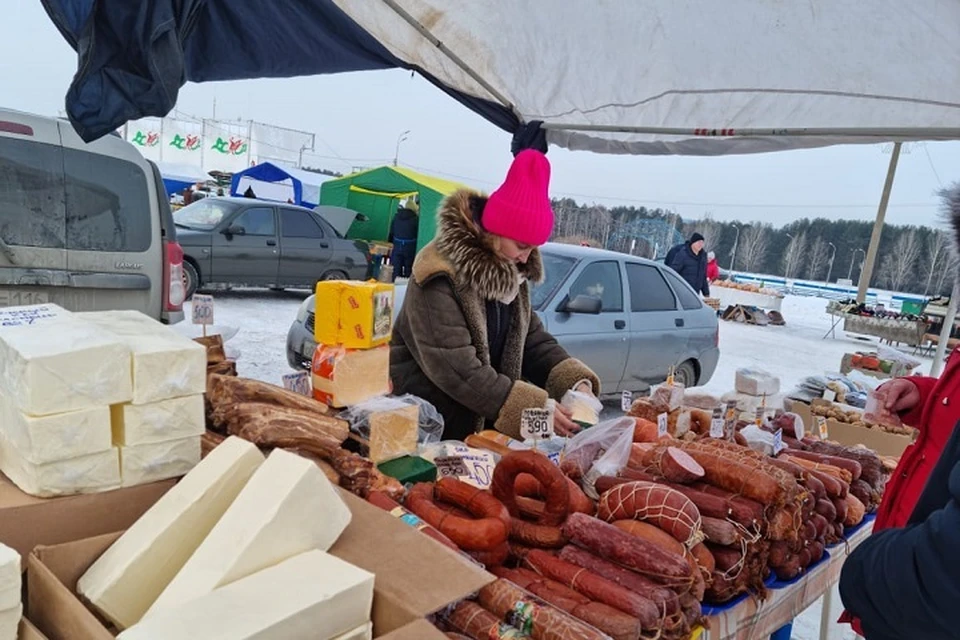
(619, 324)
(271, 243)
(678, 322)
(324, 245)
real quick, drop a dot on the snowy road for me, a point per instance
(793, 352)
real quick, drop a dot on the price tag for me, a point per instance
(829, 395)
(778, 442)
(759, 418)
(730, 420)
(822, 427)
(717, 424)
(451, 467)
(536, 424)
(661, 425)
(626, 401)
(202, 306)
(298, 382)
(479, 468)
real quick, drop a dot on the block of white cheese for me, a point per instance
(347, 377)
(61, 436)
(145, 463)
(10, 578)
(288, 507)
(33, 314)
(363, 632)
(10, 622)
(394, 432)
(160, 421)
(128, 577)
(309, 596)
(63, 365)
(10, 598)
(756, 382)
(91, 473)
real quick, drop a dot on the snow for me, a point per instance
(261, 320)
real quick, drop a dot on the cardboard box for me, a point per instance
(416, 630)
(29, 632)
(883, 442)
(27, 521)
(415, 576)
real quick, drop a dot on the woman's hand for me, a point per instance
(902, 395)
(563, 425)
(584, 387)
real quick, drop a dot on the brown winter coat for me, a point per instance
(440, 350)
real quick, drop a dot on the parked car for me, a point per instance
(85, 226)
(630, 319)
(243, 241)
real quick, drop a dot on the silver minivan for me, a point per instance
(87, 226)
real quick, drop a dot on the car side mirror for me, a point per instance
(591, 305)
(234, 230)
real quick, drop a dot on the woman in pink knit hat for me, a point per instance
(467, 339)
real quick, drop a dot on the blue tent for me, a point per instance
(274, 182)
(177, 177)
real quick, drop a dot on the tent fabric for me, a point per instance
(304, 186)
(177, 177)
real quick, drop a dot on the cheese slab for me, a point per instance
(172, 419)
(61, 436)
(61, 365)
(10, 622)
(346, 377)
(288, 507)
(91, 473)
(394, 433)
(363, 632)
(145, 463)
(165, 364)
(32, 314)
(10, 572)
(134, 571)
(308, 596)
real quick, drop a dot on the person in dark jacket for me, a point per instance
(466, 338)
(403, 234)
(690, 261)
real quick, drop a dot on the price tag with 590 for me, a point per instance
(536, 424)
(202, 306)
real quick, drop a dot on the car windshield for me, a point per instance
(556, 269)
(203, 215)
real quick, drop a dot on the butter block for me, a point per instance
(310, 596)
(172, 419)
(165, 364)
(10, 571)
(32, 314)
(363, 632)
(10, 622)
(41, 439)
(394, 433)
(77, 365)
(356, 315)
(145, 463)
(346, 377)
(134, 571)
(287, 508)
(91, 473)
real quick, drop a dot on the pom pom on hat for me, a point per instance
(520, 208)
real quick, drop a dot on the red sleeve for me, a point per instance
(925, 384)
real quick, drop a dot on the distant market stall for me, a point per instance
(908, 329)
(278, 183)
(177, 177)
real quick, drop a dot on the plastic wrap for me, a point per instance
(600, 451)
(395, 426)
(347, 377)
(756, 382)
(584, 407)
(758, 439)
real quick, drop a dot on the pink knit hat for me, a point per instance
(520, 208)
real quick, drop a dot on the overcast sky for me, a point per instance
(358, 117)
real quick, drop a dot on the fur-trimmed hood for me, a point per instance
(951, 210)
(465, 253)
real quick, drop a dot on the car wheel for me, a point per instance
(686, 374)
(334, 275)
(191, 279)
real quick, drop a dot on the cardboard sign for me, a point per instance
(778, 445)
(202, 306)
(298, 382)
(717, 424)
(479, 469)
(626, 401)
(536, 424)
(451, 467)
(661, 425)
(822, 427)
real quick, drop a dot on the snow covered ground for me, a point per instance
(261, 320)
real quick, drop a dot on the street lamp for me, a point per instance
(403, 136)
(832, 256)
(733, 252)
(853, 260)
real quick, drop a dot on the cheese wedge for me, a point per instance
(307, 597)
(363, 632)
(287, 508)
(62, 436)
(63, 365)
(160, 421)
(85, 474)
(165, 364)
(128, 577)
(10, 622)
(145, 463)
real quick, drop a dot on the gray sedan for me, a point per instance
(628, 318)
(242, 241)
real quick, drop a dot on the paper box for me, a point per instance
(29, 632)
(415, 577)
(26, 521)
(416, 630)
(356, 315)
(883, 442)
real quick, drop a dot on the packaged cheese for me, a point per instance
(174, 419)
(394, 426)
(346, 377)
(62, 365)
(165, 364)
(91, 473)
(584, 407)
(355, 315)
(123, 583)
(145, 463)
(41, 439)
(755, 382)
(309, 596)
(287, 508)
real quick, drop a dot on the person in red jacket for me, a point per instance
(713, 269)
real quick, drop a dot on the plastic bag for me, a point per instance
(758, 439)
(602, 450)
(395, 426)
(889, 353)
(875, 411)
(584, 407)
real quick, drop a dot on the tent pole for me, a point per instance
(882, 134)
(867, 272)
(947, 329)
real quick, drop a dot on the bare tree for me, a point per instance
(817, 258)
(709, 228)
(899, 263)
(794, 257)
(938, 250)
(754, 243)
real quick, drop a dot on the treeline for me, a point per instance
(915, 259)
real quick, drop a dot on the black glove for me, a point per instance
(529, 136)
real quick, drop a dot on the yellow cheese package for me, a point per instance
(394, 426)
(355, 315)
(347, 377)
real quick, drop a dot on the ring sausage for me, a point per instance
(493, 558)
(528, 486)
(485, 533)
(536, 535)
(555, 488)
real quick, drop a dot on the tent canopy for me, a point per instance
(177, 177)
(275, 182)
(376, 193)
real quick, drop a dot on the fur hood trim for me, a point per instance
(950, 207)
(464, 252)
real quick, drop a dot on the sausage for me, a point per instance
(820, 524)
(816, 551)
(744, 511)
(826, 509)
(803, 557)
(815, 486)
(611, 543)
(615, 623)
(650, 533)
(555, 488)
(841, 506)
(528, 486)
(808, 531)
(704, 558)
(479, 624)
(862, 491)
(536, 535)
(719, 531)
(783, 524)
(392, 507)
(672, 463)
(789, 467)
(779, 554)
(855, 511)
(492, 558)
(745, 476)
(518, 551)
(522, 579)
(479, 442)
(854, 467)
(483, 534)
(476, 501)
(789, 569)
(726, 558)
(508, 601)
(645, 431)
(594, 587)
(660, 505)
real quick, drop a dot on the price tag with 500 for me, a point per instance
(536, 424)
(202, 306)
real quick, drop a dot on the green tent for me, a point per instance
(377, 193)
